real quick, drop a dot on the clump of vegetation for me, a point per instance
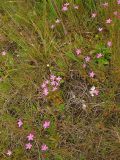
(60, 80)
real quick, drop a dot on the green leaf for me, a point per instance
(71, 56)
(58, 157)
(61, 107)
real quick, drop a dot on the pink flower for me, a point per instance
(30, 137)
(66, 4)
(45, 91)
(108, 21)
(118, 1)
(58, 78)
(44, 147)
(57, 21)
(93, 91)
(53, 83)
(76, 7)
(118, 16)
(105, 4)
(109, 43)
(43, 85)
(4, 53)
(46, 124)
(100, 29)
(54, 89)
(84, 65)
(28, 146)
(9, 153)
(52, 77)
(20, 123)
(64, 8)
(115, 13)
(78, 51)
(57, 84)
(99, 55)
(52, 26)
(46, 82)
(87, 59)
(96, 92)
(94, 15)
(91, 74)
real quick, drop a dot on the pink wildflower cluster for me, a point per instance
(57, 21)
(50, 85)
(65, 7)
(30, 137)
(109, 43)
(28, 146)
(53, 82)
(86, 60)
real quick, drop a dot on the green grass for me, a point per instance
(34, 51)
